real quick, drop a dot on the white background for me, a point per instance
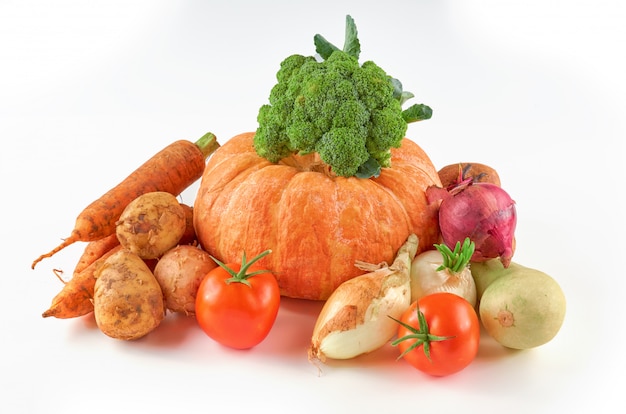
(88, 90)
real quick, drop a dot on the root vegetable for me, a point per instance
(189, 236)
(95, 250)
(172, 170)
(522, 308)
(151, 224)
(356, 317)
(128, 301)
(76, 297)
(179, 273)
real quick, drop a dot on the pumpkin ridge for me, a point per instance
(316, 224)
(298, 203)
(393, 196)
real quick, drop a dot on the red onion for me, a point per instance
(482, 211)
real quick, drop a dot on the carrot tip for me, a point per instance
(54, 251)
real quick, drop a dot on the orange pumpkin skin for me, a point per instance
(316, 224)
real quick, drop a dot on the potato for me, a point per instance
(179, 272)
(128, 301)
(151, 224)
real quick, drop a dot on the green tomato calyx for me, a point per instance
(422, 335)
(242, 275)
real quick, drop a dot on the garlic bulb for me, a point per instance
(356, 317)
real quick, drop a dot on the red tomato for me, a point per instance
(447, 316)
(238, 309)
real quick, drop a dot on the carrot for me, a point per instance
(172, 169)
(76, 297)
(94, 250)
(189, 237)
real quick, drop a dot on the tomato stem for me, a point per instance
(422, 335)
(242, 275)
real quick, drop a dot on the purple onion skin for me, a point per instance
(486, 214)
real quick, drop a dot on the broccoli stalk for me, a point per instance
(349, 113)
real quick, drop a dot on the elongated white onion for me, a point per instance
(356, 317)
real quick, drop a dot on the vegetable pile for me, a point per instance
(333, 203)
(329, 174)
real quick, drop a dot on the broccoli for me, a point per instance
(349, 113)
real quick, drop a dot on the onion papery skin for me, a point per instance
(486, 214)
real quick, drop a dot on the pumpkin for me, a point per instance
(316, 224)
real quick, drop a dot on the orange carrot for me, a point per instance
(94, 250)
(172, 169)
(76, 297)
(189, 237)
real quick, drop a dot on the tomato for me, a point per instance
(237, 303)
(446, 338)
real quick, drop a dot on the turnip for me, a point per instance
(522, 308)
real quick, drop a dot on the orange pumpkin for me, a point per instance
(316, 224)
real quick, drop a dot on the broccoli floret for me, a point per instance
(343, 148)
(351, 114)
(386, 131)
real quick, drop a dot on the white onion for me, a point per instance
(356, 317)
(429, 274)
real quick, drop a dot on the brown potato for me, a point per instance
(179, 272)
(151, 224)
(128, 301)
(479, 172)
